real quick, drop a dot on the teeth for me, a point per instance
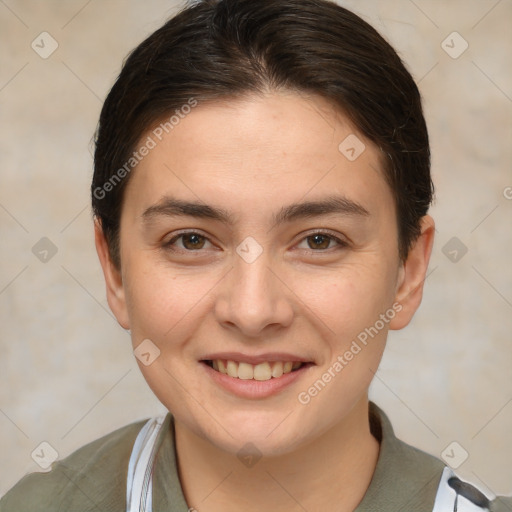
(261, 371)
(232, 369)
(245, 371)
(277, 370)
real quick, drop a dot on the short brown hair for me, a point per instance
(216, 49)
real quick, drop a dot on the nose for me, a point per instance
(253, 298)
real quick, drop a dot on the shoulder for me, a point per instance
(456, 494)
(424, 469)
(91, 478)
(407, 478)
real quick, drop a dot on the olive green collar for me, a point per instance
(405, 478)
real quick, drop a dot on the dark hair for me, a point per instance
(217, 49)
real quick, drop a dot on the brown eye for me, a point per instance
(319, 241)
(190, 241)
(322, 242)
(193, 241)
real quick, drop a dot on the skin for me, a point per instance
(312, 298)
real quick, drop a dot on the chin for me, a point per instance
(270, 438)
(256, 445)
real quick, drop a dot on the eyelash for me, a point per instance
(169, 244)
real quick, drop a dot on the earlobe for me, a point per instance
(113, 279)
(412, 274)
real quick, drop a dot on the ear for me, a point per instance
(412, 274)
(113, 278)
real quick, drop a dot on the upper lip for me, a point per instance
(255, 359)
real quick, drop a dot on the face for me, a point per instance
(251, 243)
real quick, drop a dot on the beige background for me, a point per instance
(67, 371)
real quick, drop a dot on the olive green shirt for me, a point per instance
(93, 478)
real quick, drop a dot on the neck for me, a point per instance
(334, 470)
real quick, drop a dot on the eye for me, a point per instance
(321, 241)
(191, 241)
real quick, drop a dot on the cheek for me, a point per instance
(349, 299)
(350, 305)
(158, 300)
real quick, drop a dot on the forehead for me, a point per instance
(256, 153)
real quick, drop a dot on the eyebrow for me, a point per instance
(173, 207)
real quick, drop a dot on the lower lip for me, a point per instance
(252, 388)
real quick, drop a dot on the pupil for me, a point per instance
(193, 240)
(317, 240)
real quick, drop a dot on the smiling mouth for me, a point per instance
(262, 371)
